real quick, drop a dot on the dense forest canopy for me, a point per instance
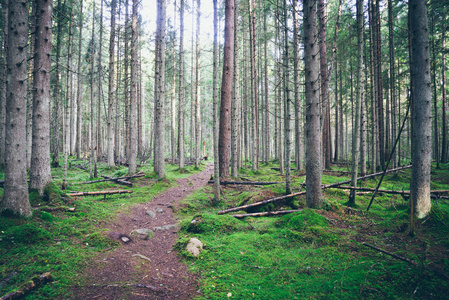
(312, 82)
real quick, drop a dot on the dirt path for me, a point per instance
(146, 268)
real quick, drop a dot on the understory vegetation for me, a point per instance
(318, 254)
(315, 254)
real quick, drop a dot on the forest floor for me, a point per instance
(147, 266)
(133, 246)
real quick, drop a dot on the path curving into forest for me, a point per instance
(145, 268)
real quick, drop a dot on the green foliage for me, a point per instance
(213, 223)
(26, 234)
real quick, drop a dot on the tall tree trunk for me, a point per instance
(287, 100)
(267, 133)
(444, 147)
(117, 137)
(392, 78)
(79, 92)
(133, 99)
(173, 95)
(337, 120)
(298, 125)
(192, 89)
(254, 88)
(56, 92)
(91, 112)
(324, 83)
(421, 111)
(358, 100)
(111, 87)
(197, 88)
(159, 141)
(40, 173)
(182, 100)
(31, 51)
(15, 193)
(313, 134)
(126, 82)
(215, 109)
(224, 143)
(3, 85)
(235, 100)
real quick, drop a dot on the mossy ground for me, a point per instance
(65, 243)
(318, 254)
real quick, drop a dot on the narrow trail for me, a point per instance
(145, 268)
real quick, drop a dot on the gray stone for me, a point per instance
(151, 213)
(165, 227)
(143, 233)
(159, 210)
(194, 247)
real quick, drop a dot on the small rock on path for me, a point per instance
(121, 274)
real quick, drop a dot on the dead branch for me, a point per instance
(27, 287)
(55, 208)
(267, 213)
(225, 182)
(260, 203)
(107, 178)
(391, 254)
(99, 193)
(385, 191)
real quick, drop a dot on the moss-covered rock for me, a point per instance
(303, 220)
(203, 223)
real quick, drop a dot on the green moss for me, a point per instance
(303, 220)
(26, 234)
(211, 223)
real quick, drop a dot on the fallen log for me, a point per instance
(55, 208)
(225, 182)
(99, 193)
(385, 191)
(27, 287)
(391, 254)
(364, 177)
(267, 213)
(260, 203)
(107, 178)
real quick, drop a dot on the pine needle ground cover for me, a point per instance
(65, 243)
(318, 254)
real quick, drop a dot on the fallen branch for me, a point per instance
(267, 213)
(391, 254)
(99, 193)
(107, 178)
(55, 208)
(224, 182)
(364, 177)
(260, 203)
(385, 191)
(28, 287)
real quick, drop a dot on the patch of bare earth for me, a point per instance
(145, 268)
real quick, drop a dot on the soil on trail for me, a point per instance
(145, 268)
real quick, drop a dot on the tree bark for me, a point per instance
(287, 106)
(40, 173)
(235, 99)
(224, 142)
(182, 100)
(56, 92)
(313, 132)
(215, 108)
(254, 88)
(3, 85)
(197, 88)
(444, 148)
(298, 125)
(111, 89)
(133, 99)
(358, 101)
(159, 140)
(421, 108)
(79, 93)
(15, 193)
(91, 112)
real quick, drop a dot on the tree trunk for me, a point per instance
(91, 112)
(133, 99)
(254, 88)
(298, 125)
(197, 88)
(110, 137)
(392, 78)
(182, 100)
(214, 111)
(173, 94)
(267, 95)
(79, 93)
(358, 100)
(15, 193)
(421, 108)
(235, 100)
(159, 140)
(40, 173)
(56, 95)
(126, 121)
(32, 52)
(444, 147)
(287, 106)
(3, 85)
(224, 142)
(313, 134)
